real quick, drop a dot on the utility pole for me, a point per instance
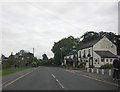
(61, 56)
(33, 54)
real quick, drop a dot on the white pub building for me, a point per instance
(97, 52)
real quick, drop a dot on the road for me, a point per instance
(55, 78)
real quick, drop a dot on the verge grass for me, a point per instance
(12, 70)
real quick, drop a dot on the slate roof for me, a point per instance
(89, 44)
(105, 54)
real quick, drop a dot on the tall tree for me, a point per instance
(88, 36)
(11, 60)
(45, 57)
(63, 47)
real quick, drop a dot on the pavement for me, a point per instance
(103, 77)
(55, 78)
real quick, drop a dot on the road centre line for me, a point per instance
(57, 81)
(17, 79)
(53, 76)
(107, 82)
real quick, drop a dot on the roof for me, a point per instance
(89, 44)
(105, 54)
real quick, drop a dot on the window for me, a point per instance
(95, 60)
(84, 54)
(79, 54)
(88, 51)
(106, 60)
(110, 60)
(102, 60)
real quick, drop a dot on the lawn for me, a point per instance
(11, 70)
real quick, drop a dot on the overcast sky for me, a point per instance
(27, 25)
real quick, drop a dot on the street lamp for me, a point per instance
(75, 55)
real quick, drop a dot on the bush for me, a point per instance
(34, 64)
(82, 65)
(106, 66)
(46, 63)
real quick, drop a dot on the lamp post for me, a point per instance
(75, 55)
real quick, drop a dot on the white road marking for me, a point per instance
(53, 76)
(17, 79)
(57, 81)
(5, 82)
(14, 81)
(104, 81)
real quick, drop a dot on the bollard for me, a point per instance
(92, 70)
(110, 72)
(87, 69)
(102, 71)
(97, 71)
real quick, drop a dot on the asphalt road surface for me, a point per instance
(55, 78)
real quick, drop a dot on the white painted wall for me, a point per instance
(87, 64)
(71, 56)
(86, 52)
(98, 58)
(109, 60)
(105, 45)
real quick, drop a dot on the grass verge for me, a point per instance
(12, 70)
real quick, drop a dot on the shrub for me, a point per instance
(106, 66)
(34, 64)
(82, 64)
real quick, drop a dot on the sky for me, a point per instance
(28, 25)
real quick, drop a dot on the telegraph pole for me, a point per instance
(33, 54)
(61, 56)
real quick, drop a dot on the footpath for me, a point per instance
(104, 75)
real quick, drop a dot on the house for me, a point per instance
(4, 58)
(97, 52)
(70, 59)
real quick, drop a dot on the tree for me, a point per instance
(68, 43)
(67, 46)
(88, 36)
(24, 58)
(44, 56)
(11, 61)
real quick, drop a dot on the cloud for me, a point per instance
(38, 25)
